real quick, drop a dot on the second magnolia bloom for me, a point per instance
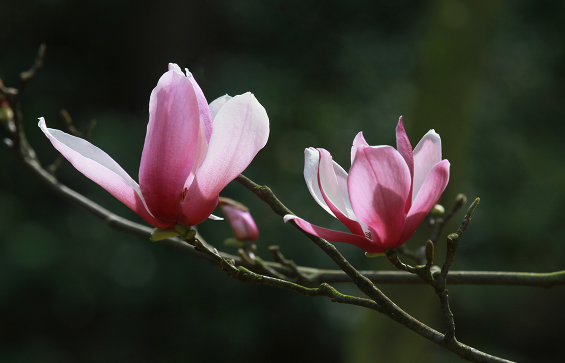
(386, 195)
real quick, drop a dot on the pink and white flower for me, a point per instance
(386, 195)
(192, 151)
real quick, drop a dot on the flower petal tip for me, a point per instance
(174, 67)
(215, 218)
(289, 217)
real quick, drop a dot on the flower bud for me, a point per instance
(437, 210)
(240, 219)
(430, 252)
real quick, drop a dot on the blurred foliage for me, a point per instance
(487, 75)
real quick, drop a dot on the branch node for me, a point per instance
(393, 258)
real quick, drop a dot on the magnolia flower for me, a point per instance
(192, 151)
(386, 195)
(240, 219)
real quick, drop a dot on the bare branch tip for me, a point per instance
(473, 206)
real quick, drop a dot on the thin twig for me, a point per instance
(393, 258)
(70, 127)
(439, 223)
(453, 239)
(244, 275)
(29, 74)
(279, 258)
(419, 255)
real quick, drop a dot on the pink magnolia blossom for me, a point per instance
(386, 195)
(240, 219)
(192, 151)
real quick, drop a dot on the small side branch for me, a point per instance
(244, 275)
(393, 258)
(28, 75)
(453, 239)
(439, 280)
(439, 223)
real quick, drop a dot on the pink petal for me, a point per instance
(241, 129)
(205, 114)
(333, 187)
(335, 236)
(403, 145)
(170, 149)
(426, 155)
(217, 104)
(427, 197)
(358, 141)
(99, 167)
(405, 149)
(379, 185)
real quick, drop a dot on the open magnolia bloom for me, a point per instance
(386, 195)
(192, 151)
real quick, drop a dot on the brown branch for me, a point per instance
(393, 258)
(314, 276)
(28, 75)
(453, 240)
(244, 275)
(439, 223)
(368, 288)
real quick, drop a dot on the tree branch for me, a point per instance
(312, 275)
(368, 288)
(244, 275)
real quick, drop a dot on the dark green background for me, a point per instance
(488, 76)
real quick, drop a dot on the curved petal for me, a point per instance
(335, 236)
(241, 129)
(328, 178)
(333, 186)
(201, 148)
(405, 149)
(170, 149)
(379, 185)
(403, 145)
(205, 114)
(215, 218)
(311, 166)
(429, 195)
(359, 140)
(217, 104)
(99, 167)
(426, 155)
